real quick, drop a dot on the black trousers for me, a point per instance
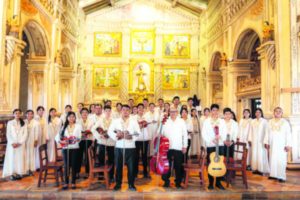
(230, 150)
(83, 155)
(177, 157)
(142, 147)
(209, 151)
(129, 161)
(71, 158)
(109, 150)
(187, 150)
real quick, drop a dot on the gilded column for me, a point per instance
(124, 83)
(158, 82)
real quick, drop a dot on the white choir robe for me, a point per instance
(152, 127)
(202, 119)
(104, 123)
(86, 125)
(278, 136)
(54, 128)
(145, 134)
(42, 138)
(14, 162)
(232, 129)
(93, 118)
(259, 160)
(116, 114)
(196, 139)
(244, 130)
(33, 132)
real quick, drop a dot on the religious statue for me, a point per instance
(57, 58)
(268, 32)
(141, 86)
(224, 60)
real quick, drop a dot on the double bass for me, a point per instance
(159, 162)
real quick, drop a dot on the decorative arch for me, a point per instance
(215, 62)
(245, 44)
(37, 38)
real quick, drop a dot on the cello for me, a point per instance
(159, 162)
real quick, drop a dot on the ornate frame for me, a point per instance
(150, 31)
(108, 55)
(176, 67)
(106, 67)
(174, 35)
(133, 63)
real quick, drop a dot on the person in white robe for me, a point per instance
(232, 132)
(152, 118)
(244, 130)
(117, 113)
(189, 127)
(16, 133)
(68, 108)
(259, 159)
(31, 142)
(94, 118)
(54, 125)
(43, 135)
(79, 108)
(278, 140)
(206, 115)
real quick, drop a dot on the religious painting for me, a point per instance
(142, 42)
(141, 76)
(106, 77)
(176, 78)
(107, 44)
(176, 46)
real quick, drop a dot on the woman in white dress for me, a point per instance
(189, 127)
(16, 133)
(232, 131)
(259, 159)
(69, 138)
(206, 115)
(53, 126)
(279, 142)
(244, 130)
(43, 135)
(31, 142)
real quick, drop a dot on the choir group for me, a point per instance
(126, 135)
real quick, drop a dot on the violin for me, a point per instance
(159, 162)
(125, 134)
(144, 123)
(69, 141)
(102, 132)
(86, 134)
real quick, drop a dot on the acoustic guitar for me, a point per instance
(217, 167)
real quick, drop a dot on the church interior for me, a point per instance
(240, 54)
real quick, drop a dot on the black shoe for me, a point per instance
(12, 178)
(65, 187)
(281, 181)
(117, 187)
(210, 187)
(18, 177)
(132, 188)
(73, 187)
(166, 185)
(220, 186)
(255, 172)
(178, 186)
(272, 178)
(111, 180)
(248, 168)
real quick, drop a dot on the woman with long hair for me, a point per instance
(69, 137)
(196, 140)
(16, 133)
(53, 125)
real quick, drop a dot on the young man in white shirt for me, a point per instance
(175, 130)
(211, 139)
(123, 130)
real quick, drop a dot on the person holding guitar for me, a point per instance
(69, 138)
(124, 131)
(104, 143)
(214, 134)
(175, 130)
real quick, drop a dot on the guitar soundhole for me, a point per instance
(216, 159)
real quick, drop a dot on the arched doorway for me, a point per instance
(248, 82)
(34, 59)
(215, 89)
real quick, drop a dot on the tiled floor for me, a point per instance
(259, 188)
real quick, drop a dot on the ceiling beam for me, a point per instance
(174, 2)
(95, 6)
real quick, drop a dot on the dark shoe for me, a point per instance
(112, 180)
(73, 187)
(220, 186)
(12, 178)
(272, 178)
(210, 187)
(65, 187)
(18, 177)
(255, 172)
(166, 185)
(117, 187)
(178, 186)
(281, 181)
(248, 168)
(132, 188)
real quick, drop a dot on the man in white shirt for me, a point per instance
(117, 113)
(63, 117)
(211, 139)
(97, 115)
(176, 103)
(175, 130)
(123, 130)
